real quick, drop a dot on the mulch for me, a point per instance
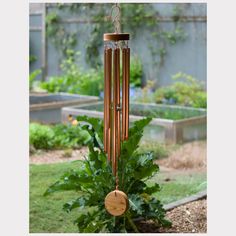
(188, 218)
(57, 156)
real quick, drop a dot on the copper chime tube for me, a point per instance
(114, 129)
(116, 78)
(127, 65)
(107, 100)
(125, 92)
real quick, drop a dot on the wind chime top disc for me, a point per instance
(115, 36)
(116, 203)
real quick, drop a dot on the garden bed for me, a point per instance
(170, 124)
(46, 108)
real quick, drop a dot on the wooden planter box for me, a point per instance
(46, 108)
(168, 131)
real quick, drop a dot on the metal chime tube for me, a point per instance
(125, 92)
(107, 100)
(114, 129)
(115, 101)
(127, 65)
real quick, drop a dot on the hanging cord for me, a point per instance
(115, 17)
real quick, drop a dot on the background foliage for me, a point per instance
(56, 137)
(137, 15)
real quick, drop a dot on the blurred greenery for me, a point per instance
(90, 82)
(60, 136)
(186, 90)
(136, 72)
(74, 79)
(33, 75)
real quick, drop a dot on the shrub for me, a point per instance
(90, 82)
(136, 72)
(74, 79)
(69, 136)
(58, 136)
(94, 180)
(188, 92)
(41, 136)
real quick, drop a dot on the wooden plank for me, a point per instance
(186, 200)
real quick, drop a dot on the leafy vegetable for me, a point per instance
(57, 136)
(94, 180)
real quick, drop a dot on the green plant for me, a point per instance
(136, 72)
(69, 136)
(141, 16)
(94, 180)
(74, 79)
(57, 136)
(33, 75)
(46, 215)
(189, 92)
(32, 58)
(41, 136)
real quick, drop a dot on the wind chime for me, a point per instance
(116, 114)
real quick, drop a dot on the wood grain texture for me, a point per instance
(116, 203)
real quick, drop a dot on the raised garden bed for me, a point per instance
(46, 108)
(170, 124)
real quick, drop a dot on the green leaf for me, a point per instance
(139, 125)
(69, 181)
(96, 123)
(135, 203)
(153, 189)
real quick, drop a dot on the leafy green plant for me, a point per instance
(94, 180)
(188, 92)
(69, 136)
(136, 72)
(58, 136)
(141, 16)
(74, 79)
(33, 75)
(41, 136)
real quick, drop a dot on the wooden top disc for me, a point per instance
(115, 36)
(116, 203)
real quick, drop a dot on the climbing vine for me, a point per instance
(135, 17)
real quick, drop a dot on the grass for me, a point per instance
(179, 185)
(159, 150)
(46, 214)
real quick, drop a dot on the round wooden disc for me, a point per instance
(116, 203)
(115, 36)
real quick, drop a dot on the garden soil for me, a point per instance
(188, 218)
(188, 156)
